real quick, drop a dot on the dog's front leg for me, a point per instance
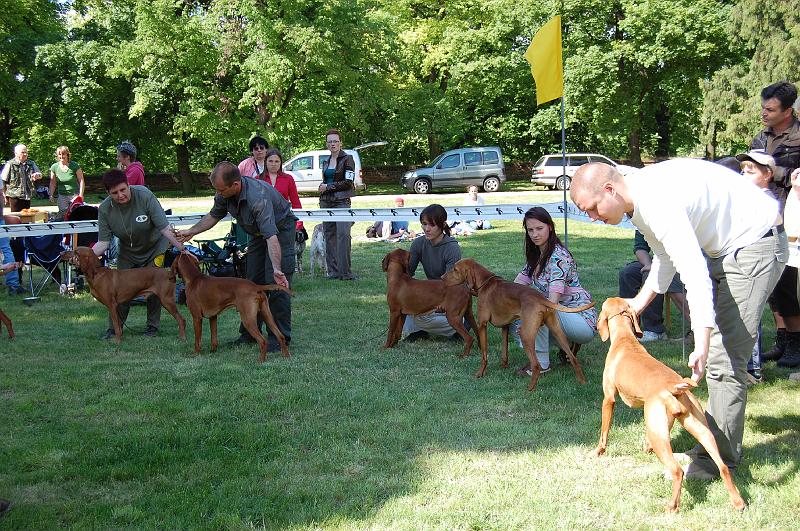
(392, 333)
(112, 312)
(605, 426)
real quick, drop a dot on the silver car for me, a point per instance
(480, 166)
(551, 171)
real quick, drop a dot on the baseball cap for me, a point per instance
(759, 156)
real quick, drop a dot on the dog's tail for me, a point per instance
(560, 308)
(274, 287)
(674, 407)
(686, 384)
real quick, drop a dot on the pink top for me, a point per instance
(135, 173)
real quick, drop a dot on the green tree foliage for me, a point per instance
(24, 24)
(766, 40)
(189, 81)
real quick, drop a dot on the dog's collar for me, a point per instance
(475, 291)
(623, 312)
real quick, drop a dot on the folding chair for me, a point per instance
(227, 260)
(45, 252)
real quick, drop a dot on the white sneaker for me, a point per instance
(648, 335)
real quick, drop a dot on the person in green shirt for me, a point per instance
(134, 215)
(66, 180)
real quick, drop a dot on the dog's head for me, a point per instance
(83, 257)
(613, 307)
(467, 271)
(400, 256)
(185, 263)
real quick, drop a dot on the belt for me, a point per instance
(774, 231)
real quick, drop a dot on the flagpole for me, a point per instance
(564, 170)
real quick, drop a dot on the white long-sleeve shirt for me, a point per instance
(687, 207)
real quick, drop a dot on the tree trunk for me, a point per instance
(5, 134)
(711, 146)
(433, 146)
(662, 128)
(184, 171)
(635, 146)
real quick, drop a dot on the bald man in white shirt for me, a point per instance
(724, 237)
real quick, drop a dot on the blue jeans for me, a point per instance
(12, 277)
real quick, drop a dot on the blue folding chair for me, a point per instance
(45, 252)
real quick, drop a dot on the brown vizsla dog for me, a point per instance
(114, 286)
(209, 296)
(643, 381)
(409, 296)
(501, 302)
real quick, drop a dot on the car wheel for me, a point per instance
(422, 186)
(491, 184)
(563, 182)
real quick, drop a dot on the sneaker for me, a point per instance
(243, 340)
(4, 505)
(795, 377)
(352, 277)
(150, 331)
(525, 370)
(416, 336)
(648, 336)
(108, 334)
(754, 377)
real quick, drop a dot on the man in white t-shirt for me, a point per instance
(719, 232)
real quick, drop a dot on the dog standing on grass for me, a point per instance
(317, 251)
(644, 382)
(208, 297)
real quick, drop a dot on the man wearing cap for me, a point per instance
(719, 232)
(126, 157)
(781, 139)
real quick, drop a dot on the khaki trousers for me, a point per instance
(742, 281)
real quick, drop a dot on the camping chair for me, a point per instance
(227, 260)
(45, 252)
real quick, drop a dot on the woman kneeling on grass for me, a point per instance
(551, 269)
(438, 252)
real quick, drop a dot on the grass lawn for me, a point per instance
(345, 435)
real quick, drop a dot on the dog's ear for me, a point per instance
(385, 263)
(602, 325)
(637, 330)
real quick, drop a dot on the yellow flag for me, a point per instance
(544, 55)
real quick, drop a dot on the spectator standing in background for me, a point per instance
(126, 159)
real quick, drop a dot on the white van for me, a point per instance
(306, 167)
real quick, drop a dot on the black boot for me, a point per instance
(778, 348)
(791, 355)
